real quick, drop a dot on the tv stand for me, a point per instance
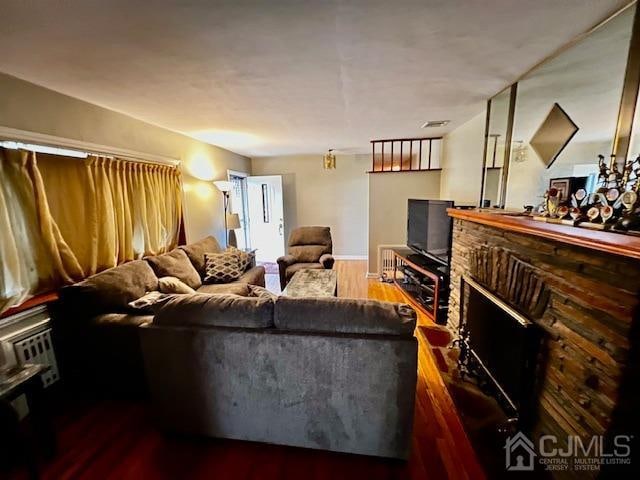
(424, 282)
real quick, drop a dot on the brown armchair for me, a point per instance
(309, 247)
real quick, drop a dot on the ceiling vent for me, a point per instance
(435, 123)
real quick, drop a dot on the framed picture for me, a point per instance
(567, 186)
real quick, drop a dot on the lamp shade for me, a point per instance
(233, 221)
(223, 185)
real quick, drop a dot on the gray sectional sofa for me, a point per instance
(235, 361)
(97, 331)
(324, 373)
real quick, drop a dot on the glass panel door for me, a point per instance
(239, 206)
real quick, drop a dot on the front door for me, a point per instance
(266, 216)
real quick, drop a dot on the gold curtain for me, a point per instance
(65, 218)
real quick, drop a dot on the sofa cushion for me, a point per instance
(253, 276)
(216, 310)
(222, 267)
(173, 285)
(196, 251)
(122, 319)
(241, 289)
(340, 315)
(149, 302)
(261, 292)
(175, 264)
(111, 290)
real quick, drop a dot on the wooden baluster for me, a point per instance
(411, 155)
(392, 159)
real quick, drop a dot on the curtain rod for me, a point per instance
(21, 136)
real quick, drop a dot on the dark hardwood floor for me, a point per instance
(117, 439)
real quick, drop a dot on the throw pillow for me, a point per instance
(149, 302)
(221, 267)
(173, 285)
(261, 292)
(175, 264)
(245, 258)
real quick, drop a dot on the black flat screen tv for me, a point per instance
(429, 228)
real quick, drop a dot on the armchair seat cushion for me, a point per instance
(296, 267)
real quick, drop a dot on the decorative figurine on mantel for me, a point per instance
(630, 220)
(613, 206)
(548, 208)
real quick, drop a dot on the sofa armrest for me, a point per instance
(253, 276)
(286, 260)
(327, 261)
(283, 263)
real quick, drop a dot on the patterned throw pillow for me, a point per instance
(245, 258)
(221, 267)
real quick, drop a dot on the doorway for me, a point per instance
(266, 216)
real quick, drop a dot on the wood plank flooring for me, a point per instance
(118, 439)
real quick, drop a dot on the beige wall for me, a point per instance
(462, 162)
(28, 107)
(388, 195)
(315, 196)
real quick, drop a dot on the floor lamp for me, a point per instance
(225, 187)
(233, 223)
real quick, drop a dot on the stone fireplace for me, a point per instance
(584, 299)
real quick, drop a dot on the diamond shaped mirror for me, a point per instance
(553, 135)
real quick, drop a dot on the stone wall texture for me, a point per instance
(587, 381)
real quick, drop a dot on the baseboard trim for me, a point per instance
(350, 257)
(372, 275)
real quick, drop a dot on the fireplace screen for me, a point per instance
(498, 346)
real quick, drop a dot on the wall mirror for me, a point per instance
(580, 87)
(495, 158)
(634, 145)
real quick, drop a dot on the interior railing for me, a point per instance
(406, 154)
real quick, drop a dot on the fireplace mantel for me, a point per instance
(607, 242)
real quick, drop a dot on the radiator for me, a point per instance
(385, 260)
(26, 338)
(38, 348)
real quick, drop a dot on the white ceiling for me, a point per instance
(585, 80)
(284, 77)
